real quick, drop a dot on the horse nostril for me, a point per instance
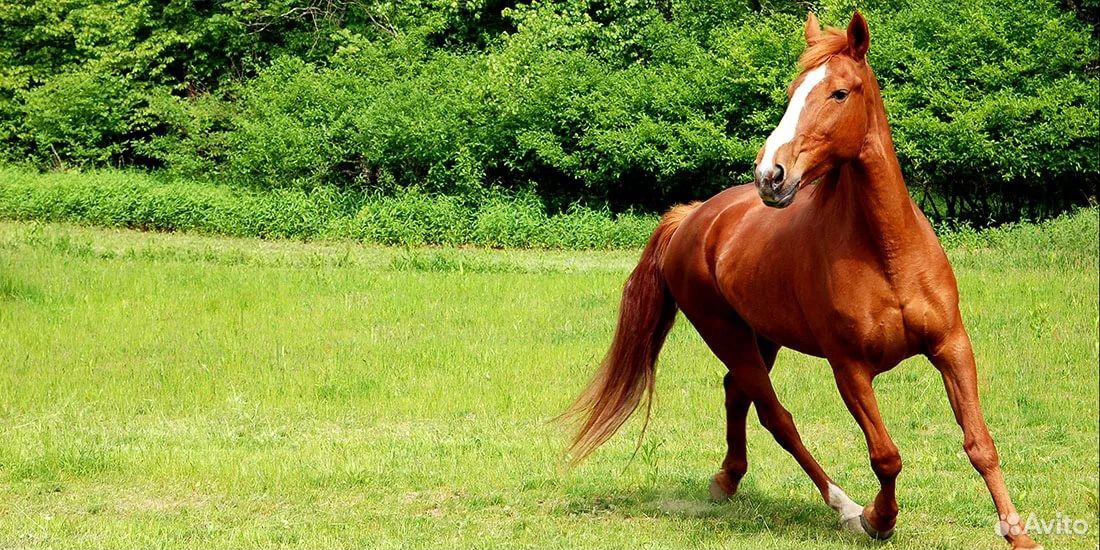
(777, 173)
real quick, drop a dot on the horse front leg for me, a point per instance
(854, 382)
(954, 358)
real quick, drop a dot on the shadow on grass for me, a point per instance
(750, 512)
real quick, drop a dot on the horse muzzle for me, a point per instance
(774, 187)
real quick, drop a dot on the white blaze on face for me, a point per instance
(784, 133)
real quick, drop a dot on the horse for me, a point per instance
(853, 273)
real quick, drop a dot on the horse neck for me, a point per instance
(876, 192)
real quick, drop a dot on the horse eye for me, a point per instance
(839, 95)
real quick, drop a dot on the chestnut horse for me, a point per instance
(852, 273)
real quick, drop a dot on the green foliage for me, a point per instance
(121, 199)
(184, 48)
(1068, 241)
(527, 115)
(82, 118)
(623, 104)
(412, 217)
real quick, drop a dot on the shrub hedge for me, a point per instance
(609, 103)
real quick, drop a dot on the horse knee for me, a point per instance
(982, 454)
(887, 464)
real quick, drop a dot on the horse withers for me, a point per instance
(850, 271)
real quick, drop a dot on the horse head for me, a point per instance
(828, 115)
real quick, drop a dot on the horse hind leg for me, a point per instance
(724, 483)
(778, 421)
(749, 363)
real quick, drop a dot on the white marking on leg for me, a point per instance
(784, 133)
(847, 508)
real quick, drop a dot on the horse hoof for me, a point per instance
(717, 492)
(1024, 542)
(872, 532)
(853, 524)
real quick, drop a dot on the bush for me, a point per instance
(618, 104)
(413, 218)
(81, 118)
(563, 108)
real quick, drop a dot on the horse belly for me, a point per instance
(798, 338)
(853, 314)
(772, 310)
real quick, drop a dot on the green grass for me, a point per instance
(174, 390)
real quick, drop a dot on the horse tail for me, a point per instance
(626, 375)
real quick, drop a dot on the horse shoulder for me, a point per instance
(891, 312)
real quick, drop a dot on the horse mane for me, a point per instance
(829, 42)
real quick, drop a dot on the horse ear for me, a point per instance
(813, 29)
(859, 37)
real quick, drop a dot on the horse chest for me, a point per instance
(858, 311)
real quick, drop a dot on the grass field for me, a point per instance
(169, 390)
